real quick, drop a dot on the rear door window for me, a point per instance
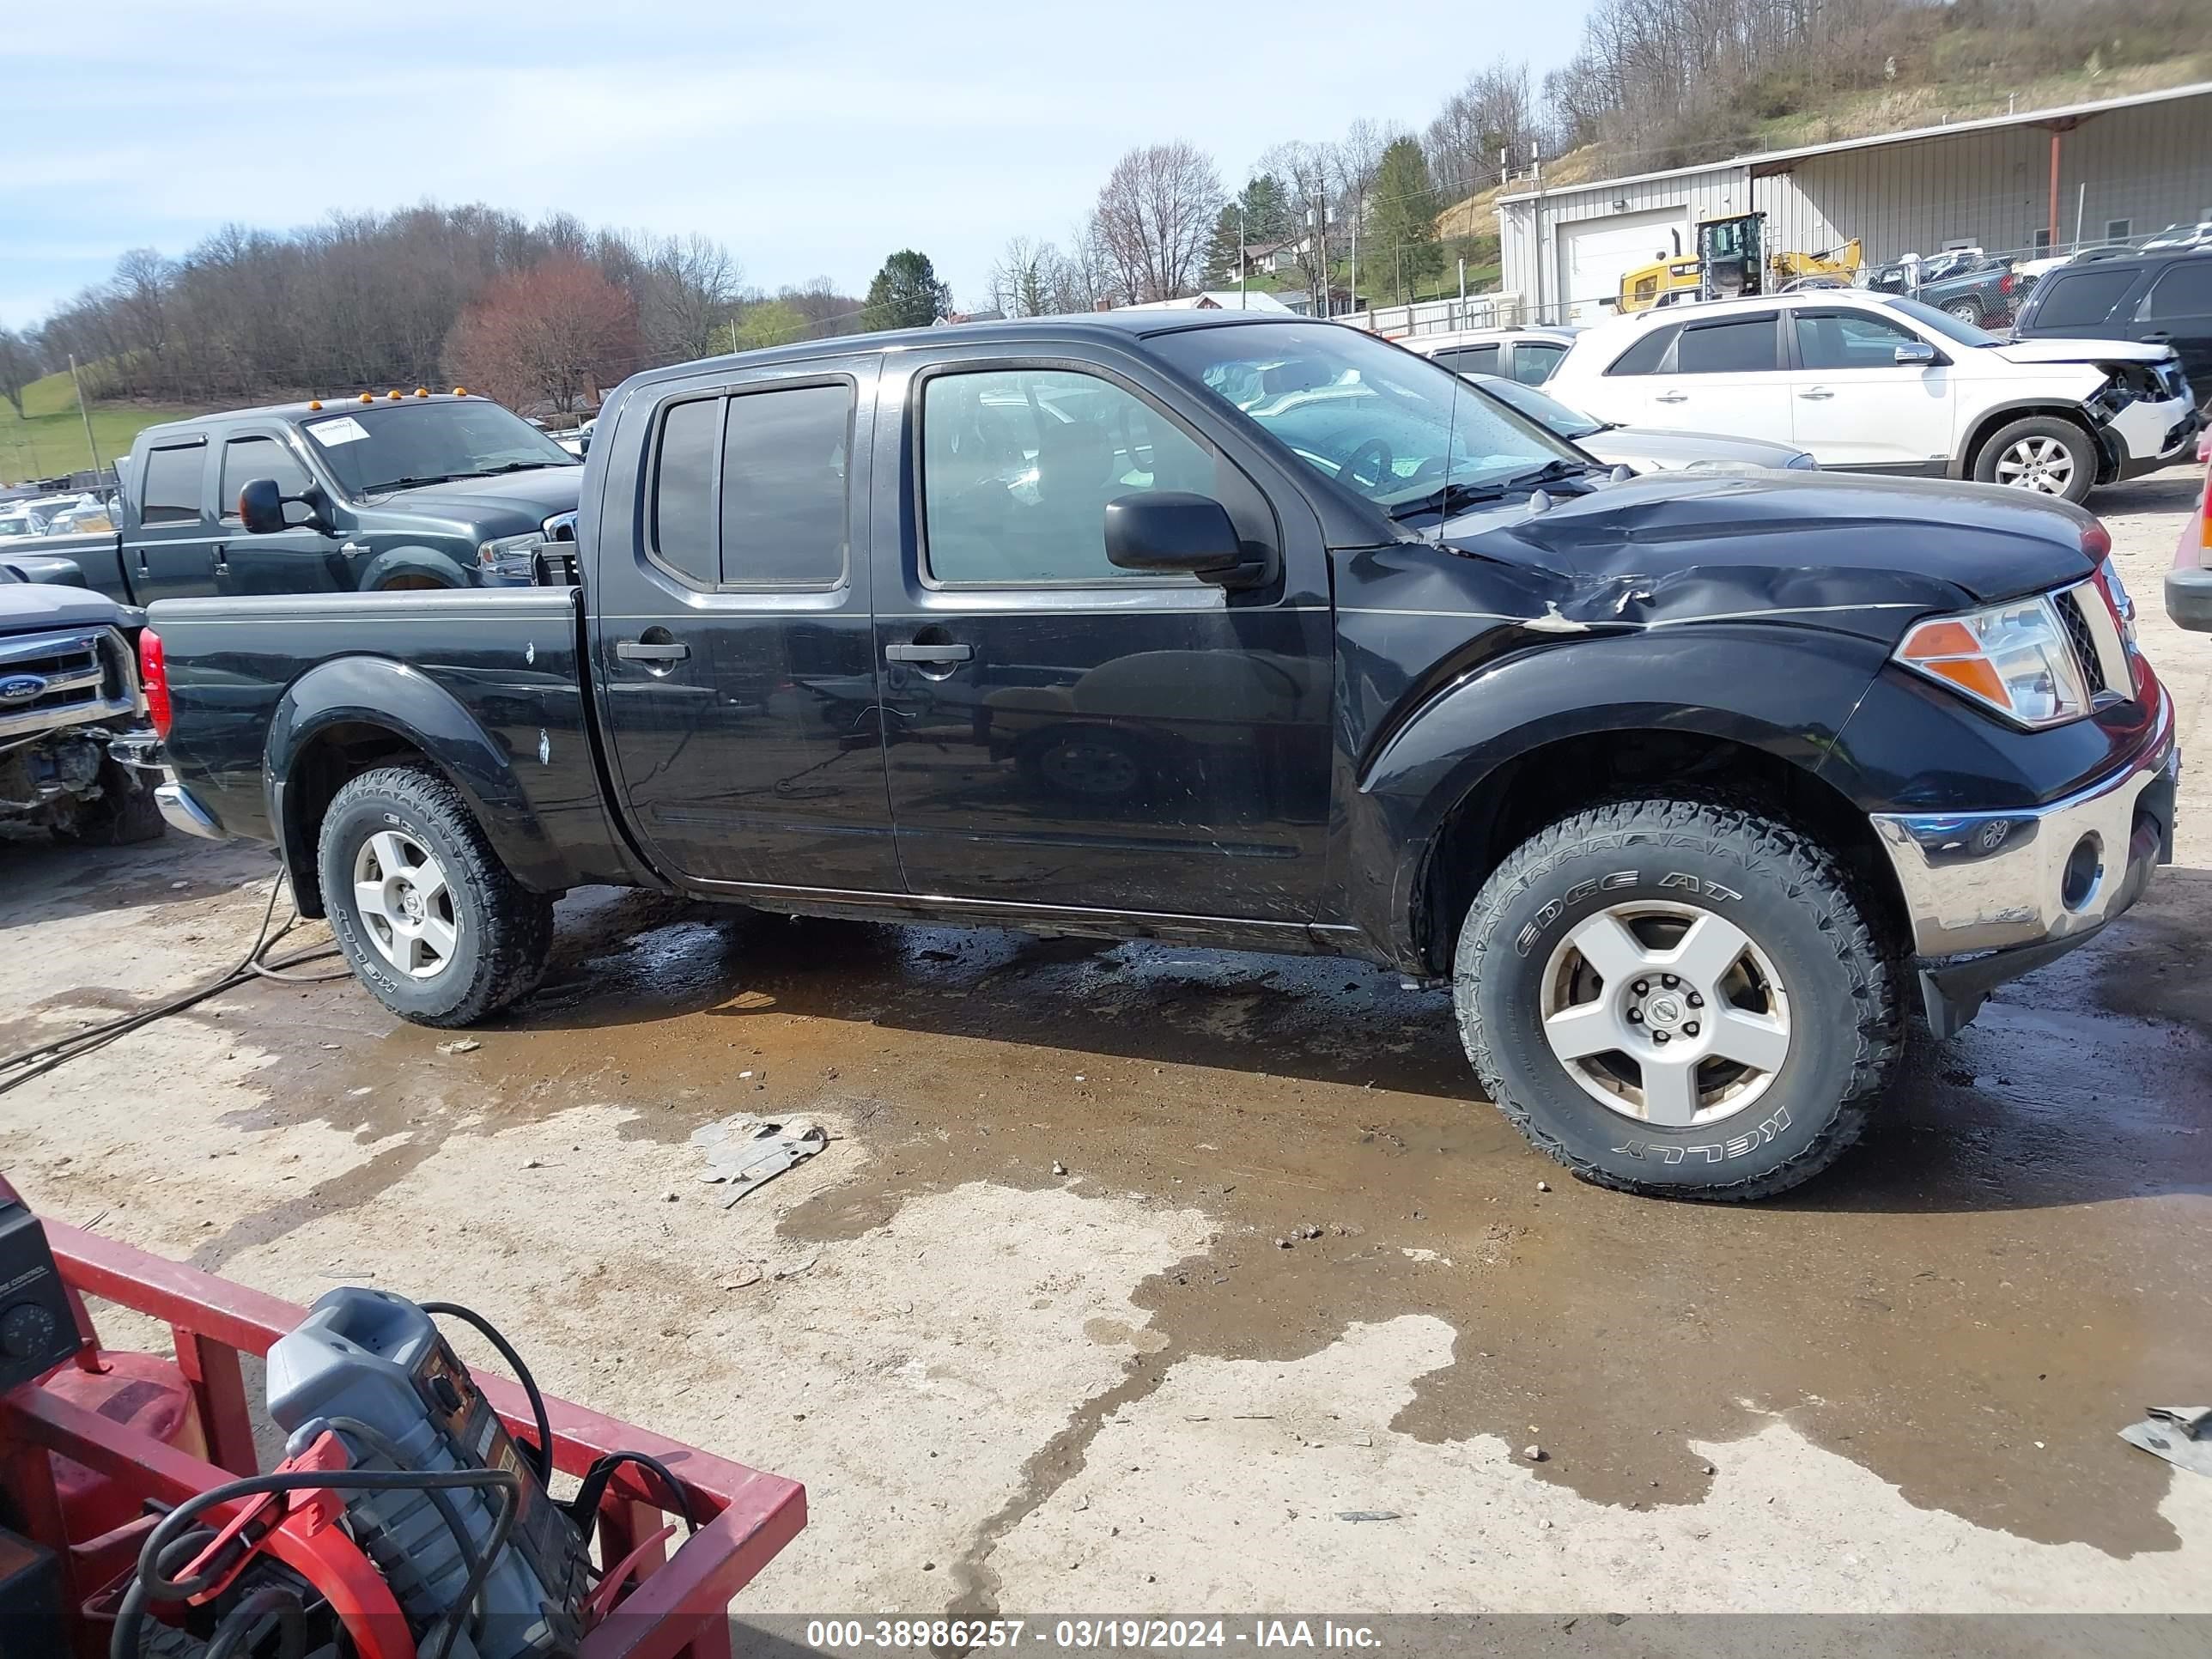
(244, 459)
(1470, 360)
(173, 485)
(1742, 345)
(2186, 290)
(684, 530)
(2080, 298)
(784, 463)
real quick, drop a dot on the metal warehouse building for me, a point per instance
(2036, 180)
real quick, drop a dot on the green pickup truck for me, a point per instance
(400, 490)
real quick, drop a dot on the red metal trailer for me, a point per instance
(678, 1603)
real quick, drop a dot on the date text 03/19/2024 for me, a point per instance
(963, 1635)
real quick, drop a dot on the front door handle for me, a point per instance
(1817, 394)
(2158, 338)
(646, 651)
(933, 653)
(1672, 397)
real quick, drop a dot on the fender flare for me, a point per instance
(1787, 692)
(396, 698)
(2021, 409)
(440, 567)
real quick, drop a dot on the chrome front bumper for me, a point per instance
(1992, 896)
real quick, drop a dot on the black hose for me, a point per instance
(238, 1628)
(587, 1501)
(21, 1066)
(541, 1455)
(153, 1584)
(130, 1610)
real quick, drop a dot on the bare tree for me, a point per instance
(1308, 173)
(1495, 111)
(553, 334)
(1155, 214)
(19, 367)
(1022, 281)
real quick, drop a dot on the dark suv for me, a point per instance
(2162, 299)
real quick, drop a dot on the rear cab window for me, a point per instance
(173, 492)
(751, 491)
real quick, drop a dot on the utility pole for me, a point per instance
(1243, 260)
(1536, 166)
(93, 448)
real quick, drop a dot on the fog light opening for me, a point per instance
(2085, 872)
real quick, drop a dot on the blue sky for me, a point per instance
(814, 143)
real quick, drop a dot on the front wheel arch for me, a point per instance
(2086, 454)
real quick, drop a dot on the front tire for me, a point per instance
(432, 923)
(1677, 998)
(2042, 453)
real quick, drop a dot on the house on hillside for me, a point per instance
(1269, 258)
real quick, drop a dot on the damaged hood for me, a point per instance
(1863, 556)
(2081, 351)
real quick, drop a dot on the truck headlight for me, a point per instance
(2013, 658)
(511, 558)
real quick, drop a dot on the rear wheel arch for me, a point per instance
(353, 715)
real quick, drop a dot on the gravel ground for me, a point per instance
(1133, 1272)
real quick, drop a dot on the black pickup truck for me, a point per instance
(405, 491)
(1262, 634)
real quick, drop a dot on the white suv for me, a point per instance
(1879, 383)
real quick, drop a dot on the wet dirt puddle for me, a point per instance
(2017, 1258)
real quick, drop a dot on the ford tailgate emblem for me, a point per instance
(21, 687)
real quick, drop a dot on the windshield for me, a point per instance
(1395, 426)
(368, 448)
(1548, 411)
(1942, 322)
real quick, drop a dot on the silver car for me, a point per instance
(1639, 449)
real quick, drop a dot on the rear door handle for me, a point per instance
(929, 653)
(1672, 397)
(640, 651)
(1817, 394)
(2158, 338)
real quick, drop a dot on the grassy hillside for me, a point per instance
(50, 438)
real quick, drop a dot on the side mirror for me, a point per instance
(1173, 531)
(1917, 352)
(261, 503)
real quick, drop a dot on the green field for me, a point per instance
(49, 439)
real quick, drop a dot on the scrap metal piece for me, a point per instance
(748, 1152)
(2181, 1435)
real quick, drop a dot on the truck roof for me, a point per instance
(304, 410)
(1096, 327)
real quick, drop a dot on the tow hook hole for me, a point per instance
(2085, 870)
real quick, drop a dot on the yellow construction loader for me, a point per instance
(1727, 263)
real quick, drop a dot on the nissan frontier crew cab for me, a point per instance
(405, 491)
(1253, 633)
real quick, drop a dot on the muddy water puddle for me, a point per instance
(2015, 1261)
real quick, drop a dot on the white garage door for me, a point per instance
(1595, 253)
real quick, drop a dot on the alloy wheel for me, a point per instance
(406, 903)
(2041, 464)
(1666, 1013)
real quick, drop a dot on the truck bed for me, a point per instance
(489, 683)
(94, 560)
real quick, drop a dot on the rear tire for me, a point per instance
(2043, 454)
(1966, 310)
(446, 935)
(1783, 1018)
(125, 814)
